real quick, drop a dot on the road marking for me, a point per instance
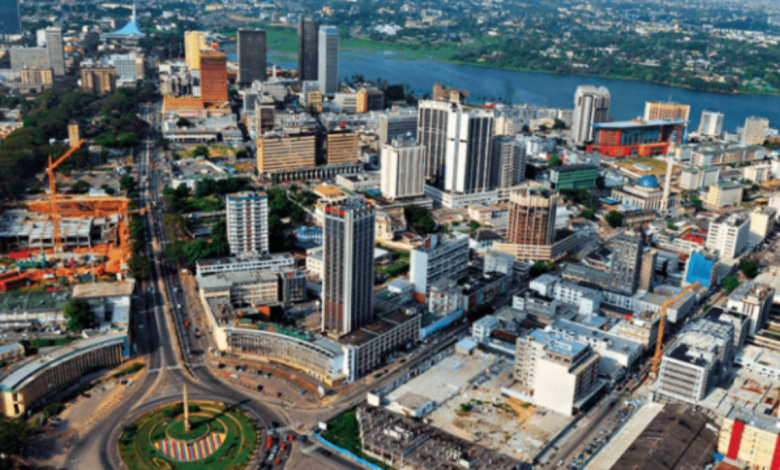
(154, 371)
(176, 367)
(197, 364)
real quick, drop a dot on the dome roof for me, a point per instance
(648, 181)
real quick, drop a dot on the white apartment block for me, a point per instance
(758, 173)
(556, 372)
(247, 222)
(438, 258)
(688, 370)
(762, 222)
(753, 300)
(728, 235)
(403, 169)
(588, 300)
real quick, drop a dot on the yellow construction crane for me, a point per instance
(53, 194)
(660, 340)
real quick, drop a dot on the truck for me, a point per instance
(269, 443)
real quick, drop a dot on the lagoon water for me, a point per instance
(628, 97)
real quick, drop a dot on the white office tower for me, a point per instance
(432, 123)
(247, 222)
(591, 106)
(711, 124)
(328, 60)
(755, 130)
(469, 166)
(403, 169)
(509, 152)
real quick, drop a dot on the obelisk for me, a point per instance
(186, 411)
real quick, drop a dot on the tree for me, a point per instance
(174, 252)
(201, 151)
(79, 315)
(600, 184)
(195, 250)
(127, 183)
(588, 214)
(183, 122)
(219, 239)
(614, 219)
(176, 226)
(15, 433)
(749, 268)
(79, 187)
(474, 225)
(555, 160)
(140, 266)
(241, 154)
(539, 268)
(730, 283)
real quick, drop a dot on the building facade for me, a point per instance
(194, 42)
(667, 110)
(432, 125)
(308, 49)
(55, 50)
(626, 256)
(403, 169)
(98, 79)
(247, 222)
(509, 154)
(591, 106)
(342, 147)
(395, 124)
(532, 217)
(348, 266)
(328, 60)
(711, 124)
(581, 176)
(728, 235)
(285, 152)
(213, 77)
(755, 130)
(439, 257)
(251, 56)
(469, 165)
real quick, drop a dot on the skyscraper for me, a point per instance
(348, 266)
(591, 106)
(667, 110)
(194, 42)
(328, 60)
(509, 154)
(251, 56)
(10, 19)
(213, 77)
(625, 270)
(469, 166)
(532, 216)
(55, 50)
(403, 169)
(711, 124)
(432, 122)
(754, 132)
(247, 222)
(308, 50)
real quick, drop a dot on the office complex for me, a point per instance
(555, 371)
(342, 147)
(591, 106)
(348, 266)
(10, 19)
(194, 42)
(625, 269)
(369, 99)
(251, 56)
(667, 110)
(328, 60)
(754, 301)
(750, 437)
(98, 79)
(42, 76)
(509, 156)
(581, 176)
(55, 51)
(441, 256)
(532, 216)
(285, 152)
(469, 166)
(403, 169)
(711, 124)
(755, 130)
(308, 49)
(728, 235)
(247, 222)
(394, 124)
(432, 124)
(213, 77)
(637, 138)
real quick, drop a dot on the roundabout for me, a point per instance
(209, 435)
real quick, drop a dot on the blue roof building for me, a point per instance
(129, 31)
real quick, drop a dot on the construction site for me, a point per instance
(64, 238)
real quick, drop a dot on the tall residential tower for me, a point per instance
(247, 222)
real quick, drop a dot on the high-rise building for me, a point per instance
(532, 216)
(194, 42)
(728, 235)
(469, 166)
(348, 266)
(285, 152)
(626, 256)
(403, 169)
(394, 124)
(369, 99)
(213, 77)
(55, 50)
(711, 124)
(251, 56)
(591, 106)
(754, 132)
(308, 50)
(10, 19)
(42, 76)
(328, 60)
(509, 153)
(667, 110)
(648, 268)
(98, 79)
(342, 147)
(432, 123)
(440, 257)
(247, 222)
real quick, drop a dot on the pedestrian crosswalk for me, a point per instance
(197, 364)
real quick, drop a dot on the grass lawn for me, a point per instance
(136, 444)
(394, 270)
(658, 166)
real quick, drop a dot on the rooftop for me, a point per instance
(103, 289)
(639, 124)
(557, 344)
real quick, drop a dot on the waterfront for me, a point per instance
(628, 97)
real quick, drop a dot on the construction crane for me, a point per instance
(660, 340)
(53, 194)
